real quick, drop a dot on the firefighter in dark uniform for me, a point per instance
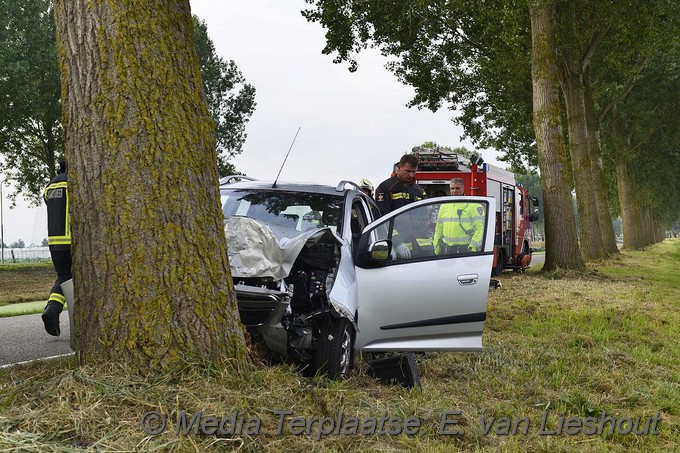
(59, 240)
(397, 191)
(401, 189)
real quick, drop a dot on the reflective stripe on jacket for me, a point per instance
(392, 194)
(459, 224)
(58, 227)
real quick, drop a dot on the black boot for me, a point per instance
(51, 317)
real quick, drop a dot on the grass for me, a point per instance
(25, 282)
(538, 246)
(556, 345)
(24, 308)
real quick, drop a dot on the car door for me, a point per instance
(429, 298)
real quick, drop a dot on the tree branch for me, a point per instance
(626, 90)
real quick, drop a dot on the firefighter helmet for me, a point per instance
(366, 184)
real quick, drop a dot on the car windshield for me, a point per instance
(287, 213)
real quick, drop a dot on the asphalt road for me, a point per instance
(537, 261)
(24, 339)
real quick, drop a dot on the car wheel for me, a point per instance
(335, 351)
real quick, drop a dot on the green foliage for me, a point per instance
(30, 106)
(30, 109)
(475, 56)
(460, 150)
(645, 131)
(231, 102)
(470, 55)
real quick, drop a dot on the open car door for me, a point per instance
(419, 289)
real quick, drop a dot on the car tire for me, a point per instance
(335, 348)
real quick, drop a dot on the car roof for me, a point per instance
(284, 187)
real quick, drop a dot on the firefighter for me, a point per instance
(397, 191)
(401, 189)
(366, 187)
(59, 240)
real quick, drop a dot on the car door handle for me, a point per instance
(468, 279)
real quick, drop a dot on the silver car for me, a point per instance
(320, 275)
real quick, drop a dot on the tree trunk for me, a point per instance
(607, 235)
(562, 249)
(152, 280)
(628, 204)
(589, 227)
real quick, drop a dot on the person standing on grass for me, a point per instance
(59, 241)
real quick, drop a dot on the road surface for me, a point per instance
(24, 339)
(537, 261)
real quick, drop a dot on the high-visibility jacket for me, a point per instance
(58, 228)
(459, 224)
(392, 194)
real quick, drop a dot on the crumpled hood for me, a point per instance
(255, 251)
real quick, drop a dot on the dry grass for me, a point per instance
(570, 344)
(25, 282)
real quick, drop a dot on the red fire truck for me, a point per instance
(515, 209)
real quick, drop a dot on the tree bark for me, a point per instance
(630, 216)
(152, 281)
(607, 235)
(589, 227)
(562, 249)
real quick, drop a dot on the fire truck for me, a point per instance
(515, 209)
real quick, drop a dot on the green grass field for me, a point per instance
(600, 345)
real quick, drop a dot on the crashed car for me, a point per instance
(319, 275)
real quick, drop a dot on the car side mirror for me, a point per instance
(379, 252)
(535, 201)
(534, 215)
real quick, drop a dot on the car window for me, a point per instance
(295, 212)
(436, 230)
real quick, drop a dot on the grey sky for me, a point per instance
(353, 125)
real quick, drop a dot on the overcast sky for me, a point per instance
(353, 125)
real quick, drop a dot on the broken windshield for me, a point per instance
(293, 211)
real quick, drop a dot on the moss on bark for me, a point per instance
(150, 265)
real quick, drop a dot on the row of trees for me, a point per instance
(31, 133)
(583, 90)
(20, 244)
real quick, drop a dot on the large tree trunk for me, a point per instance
(589, 227)
(152, 280)
(607, 235)
(562, 249)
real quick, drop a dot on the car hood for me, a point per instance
(255, 251)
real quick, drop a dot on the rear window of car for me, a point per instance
(298, 211)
